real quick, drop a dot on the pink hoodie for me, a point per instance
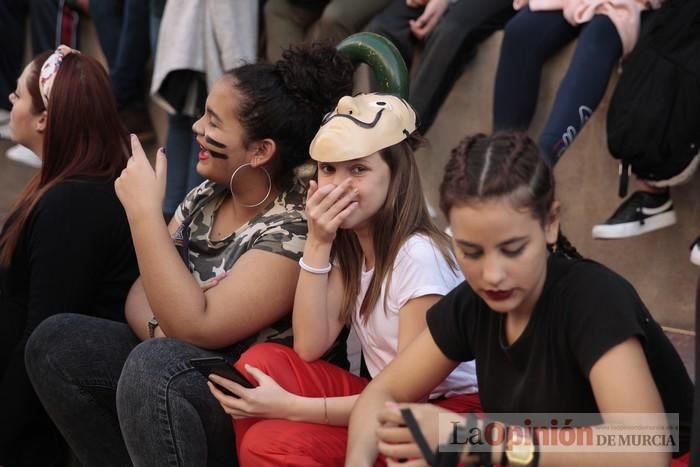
(623, 13)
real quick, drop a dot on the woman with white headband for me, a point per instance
(127, 394)
(65, 245)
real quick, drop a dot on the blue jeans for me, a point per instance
(182, 149)
(119, 401)
(123, 27)
(446, 50)
(43, 16)
(530, 39)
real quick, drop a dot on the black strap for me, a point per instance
(447, 457)
(504, 458)
(417, 434)
(624, 179)
(536, 454)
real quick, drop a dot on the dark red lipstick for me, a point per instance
(498, 295)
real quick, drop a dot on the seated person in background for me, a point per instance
(48, 29)
(450, 32)
(120, 401)
(604, 32)
(65, 245)
(289, 22)
(550, 332)
(373, 260)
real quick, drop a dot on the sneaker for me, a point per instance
(641, 213)
(695, 252)
(23, 155)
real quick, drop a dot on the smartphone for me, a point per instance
(219, 366)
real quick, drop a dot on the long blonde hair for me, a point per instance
(403, 214)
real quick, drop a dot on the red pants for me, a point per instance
(682, 461)
(275, 442)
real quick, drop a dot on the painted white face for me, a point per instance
(502, 252)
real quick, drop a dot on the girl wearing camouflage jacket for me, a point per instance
(243, 229)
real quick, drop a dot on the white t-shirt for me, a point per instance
(419, 269)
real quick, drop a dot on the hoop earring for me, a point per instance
(269, 185)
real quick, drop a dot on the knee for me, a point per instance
(53, 337)
(450, 29)
(157, 365)
(377, 26)
(517, 33)
(267, 357)
(275, 9)
(335, 18)
(600, 34)
(148, 360)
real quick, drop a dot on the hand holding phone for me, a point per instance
(219, 366)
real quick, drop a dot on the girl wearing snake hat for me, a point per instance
(374, 261)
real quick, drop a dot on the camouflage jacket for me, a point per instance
(280, 228)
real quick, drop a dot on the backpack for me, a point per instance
(653, 121)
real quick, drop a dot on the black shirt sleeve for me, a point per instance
(603, 310)
(451, 323)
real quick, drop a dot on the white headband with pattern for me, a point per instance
(49, 70)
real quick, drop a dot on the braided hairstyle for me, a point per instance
(287, 100)
(503, 164)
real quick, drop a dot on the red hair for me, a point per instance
(83, 136)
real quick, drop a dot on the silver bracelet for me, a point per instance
(324, 270)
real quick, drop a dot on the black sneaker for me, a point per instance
(695, 252)
(641, 213)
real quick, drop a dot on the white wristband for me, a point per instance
(324, 270)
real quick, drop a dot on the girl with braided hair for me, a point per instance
(550, 332)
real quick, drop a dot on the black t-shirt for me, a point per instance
(75, 255)
(585, 309)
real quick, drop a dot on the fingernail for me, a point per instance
(391, 404)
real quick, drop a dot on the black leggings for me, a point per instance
(530, 39)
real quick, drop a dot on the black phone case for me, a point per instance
(219, 366)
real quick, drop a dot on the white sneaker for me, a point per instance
(23, 155)
(640, 213)
(695, 252)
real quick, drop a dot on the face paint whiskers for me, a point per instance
(216, 144)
